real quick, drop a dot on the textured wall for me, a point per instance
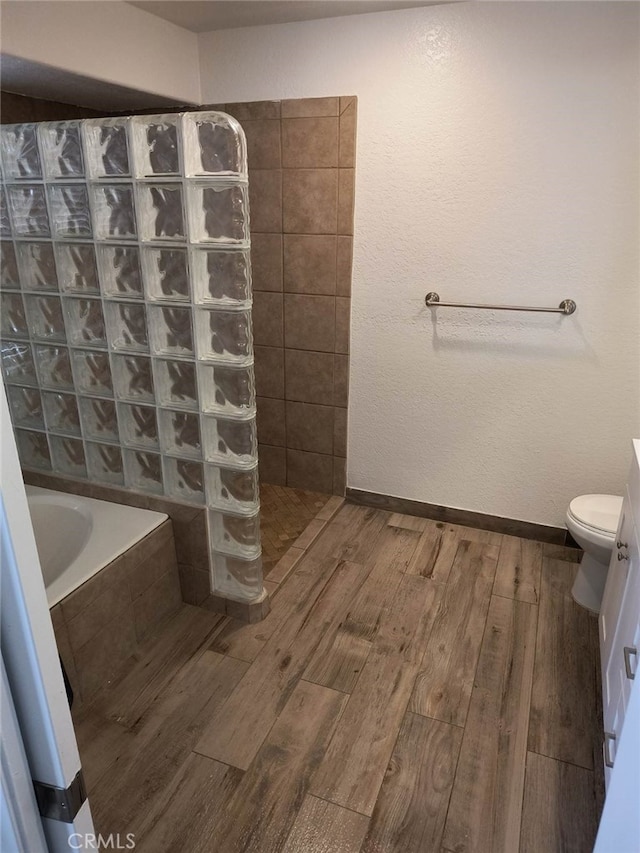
(497, 161)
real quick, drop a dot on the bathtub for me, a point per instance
(77, 536)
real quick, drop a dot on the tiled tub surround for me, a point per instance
(126, 317)
(301, 156)
(100, 625)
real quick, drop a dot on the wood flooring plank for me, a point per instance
(130, 788)
(190, 809)
(443, 686)
(160, 658)
(330, 508)
(436, 551)
(409, 814)
(408, 522)
(353, 768)
(263, 808)
(559, 811)
(486, 802)
(285, 565)
(519, 568)
(352, 534)
(564, 720)
(341, 655)
(101, 743)
(236, 733)
(323, 827)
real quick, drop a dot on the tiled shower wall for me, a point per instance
(301, 176)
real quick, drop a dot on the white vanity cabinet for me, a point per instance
(619, 624)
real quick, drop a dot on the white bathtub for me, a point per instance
(76, 536)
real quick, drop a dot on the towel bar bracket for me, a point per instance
(567, 306)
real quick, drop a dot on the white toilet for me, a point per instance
(592, 520)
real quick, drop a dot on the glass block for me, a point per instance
(237, 535)
(155, 145)
(68, 456)
(26, 406)
(18, 364)
(229, 442)
(5, 224)
(214, 144)
(132, 378)
(143, 471)
(237, 578)
(106, 147)
(166, 274)
(175, 384)
(61, 413)
(221, 276)
(127, 326)
(13, 320)
(33, 449)
(104, 463)
(120, 271)
(61, 149)
(20, 155)
(85, 322)
(138, 426)
(98, 417)
(180, 433)
(224, 335)
(227, 390)
(92, 372)
(9, 278)
(69, 207)
(54, 367)
(160, 213)
(37, 266)
(114, 216)
(46, 320)
(170, 330)
(236, 490)
(28, 210)
(218, 213)
(77, 268)
(183, 479)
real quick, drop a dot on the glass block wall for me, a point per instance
(125, 316)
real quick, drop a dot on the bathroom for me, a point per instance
(495, 163)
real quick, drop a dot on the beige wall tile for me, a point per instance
(310, 201)
(97, 615)
(106, 653)
(310, 263)
(312, 471)
(251, 110)
(146, 573)
(345, 201)
(339, 476)
(346, 101)
(263, 143)
(343, 266)
(191, 541)
(310, 427)
(343, 321)
(156, 604)
(266, 261)
(267, 319)
(309, 376)
(310, 322)
(298, 107)
(269, 370)
(265, 199)
(271, 422)
(194, 584)
(341, 383)
(272, 464)
(310, 143)
(340, 432)
(347, 156)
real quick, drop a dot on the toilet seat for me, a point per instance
(599, 513)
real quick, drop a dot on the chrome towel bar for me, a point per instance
(567, 306)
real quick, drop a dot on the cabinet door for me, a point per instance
(615, 586)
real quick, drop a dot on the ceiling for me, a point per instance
(200, 17)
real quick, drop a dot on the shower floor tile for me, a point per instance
(284, 515)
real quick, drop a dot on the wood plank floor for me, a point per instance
(416, 687)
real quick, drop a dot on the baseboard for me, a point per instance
(450, 515)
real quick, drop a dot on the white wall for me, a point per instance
(497, 161)
(107, 41)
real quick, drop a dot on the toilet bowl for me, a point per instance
(592, 520)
